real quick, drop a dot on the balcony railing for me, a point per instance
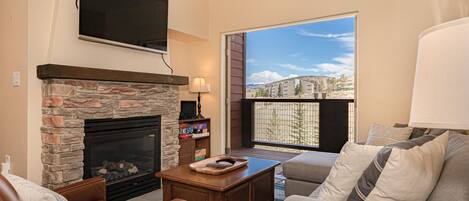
(305, 124)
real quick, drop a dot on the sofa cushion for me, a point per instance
(454, 180)
(315, 193)
(7, 191)
(29, 191)
(300, 198)
(381, 135)
(297, 187)
(310, 166)
(349, 166)
(416, 132)
(405, 171)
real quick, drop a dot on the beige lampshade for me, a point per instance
(198, 84)
(441, 87)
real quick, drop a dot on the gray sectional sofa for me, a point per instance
(306, 172)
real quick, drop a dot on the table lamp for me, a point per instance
(199, 86)
(441, 86)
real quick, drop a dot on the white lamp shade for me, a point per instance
(441, 87)
(199, 85)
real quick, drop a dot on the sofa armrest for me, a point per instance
(93, 189)
(299, 198)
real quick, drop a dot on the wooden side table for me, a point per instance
(188, 146)
(252, 183)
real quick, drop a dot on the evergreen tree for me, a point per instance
(280, 91)
(332, 84)
(273, 128)
(262, 93)
(342, 82)
(265, 93)
(299, 89)
(298, 126)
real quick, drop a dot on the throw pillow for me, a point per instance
(419, 132)
(349, 166)
(380, 135)
(405, 171)
(29, 191)
(416, 132)
(315, 193)
(454, 180)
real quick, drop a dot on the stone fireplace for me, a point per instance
(71, 98)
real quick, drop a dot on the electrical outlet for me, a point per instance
(16, 79)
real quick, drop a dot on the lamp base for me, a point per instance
(199, 116)
(199, 108)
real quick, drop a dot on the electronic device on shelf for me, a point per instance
(188, 110)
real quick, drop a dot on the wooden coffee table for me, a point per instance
(252, 183)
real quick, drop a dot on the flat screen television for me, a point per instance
(137, 24)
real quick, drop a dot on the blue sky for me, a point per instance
(321, 48)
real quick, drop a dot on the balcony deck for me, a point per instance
(299, 124)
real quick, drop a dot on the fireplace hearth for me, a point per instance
(124, 151)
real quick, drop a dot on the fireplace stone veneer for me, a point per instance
(67, 103)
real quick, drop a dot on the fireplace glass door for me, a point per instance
(126, 152)
(123, 156)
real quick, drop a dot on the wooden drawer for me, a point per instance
(240, 193)
(263, 187)
(188, 193)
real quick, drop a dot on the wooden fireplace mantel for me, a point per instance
(56, 71)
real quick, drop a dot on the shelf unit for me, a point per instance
(188, 146)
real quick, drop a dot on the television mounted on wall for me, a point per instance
(137, 24)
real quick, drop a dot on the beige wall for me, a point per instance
(53, 38)
(13, 107)
(190, 16)
(387, 41)
(387, 45)
(445, 10)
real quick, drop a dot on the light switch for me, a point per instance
(16, 79)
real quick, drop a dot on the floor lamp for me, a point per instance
(441, 85)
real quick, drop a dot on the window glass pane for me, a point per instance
(302, 61)
(305, 61)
